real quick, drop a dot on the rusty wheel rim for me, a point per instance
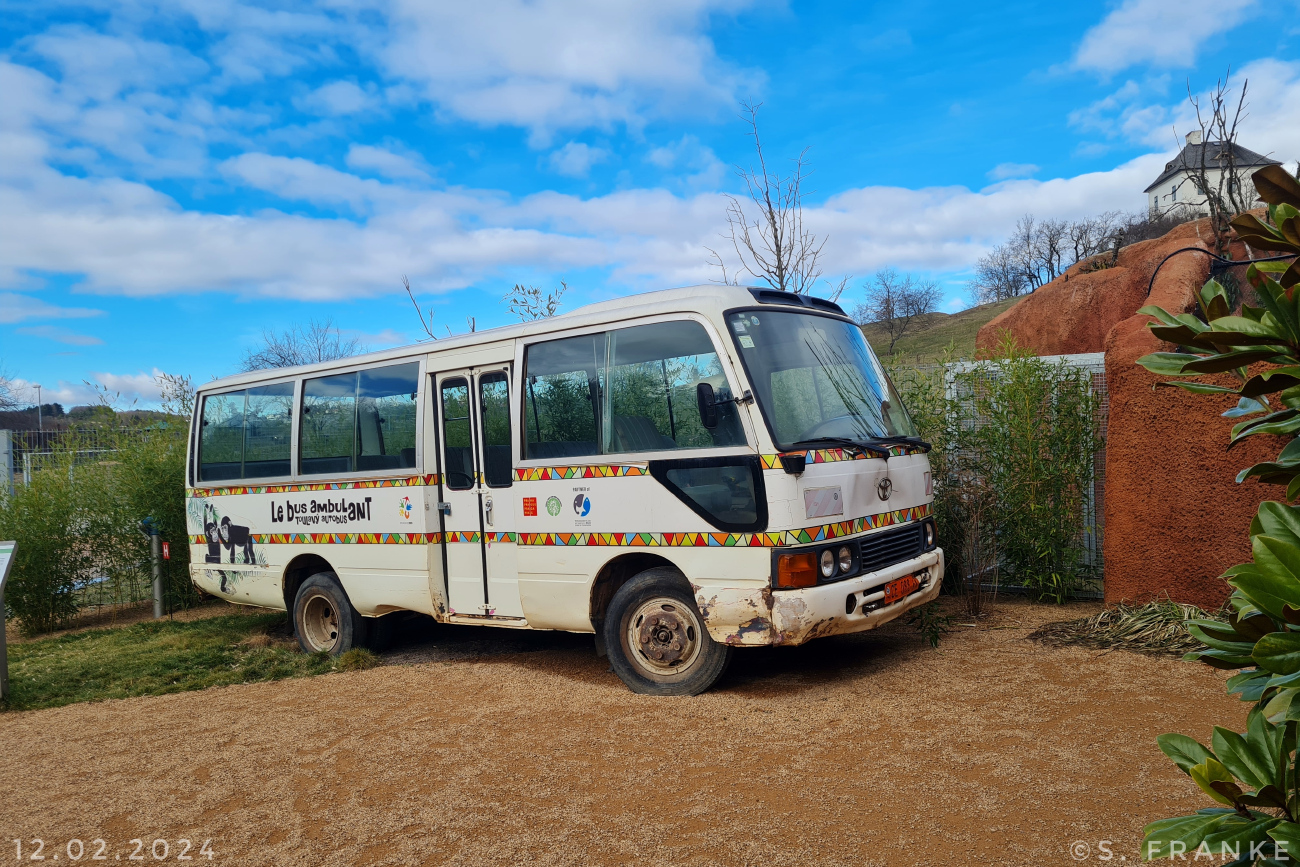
(320, 623)
(665, 636)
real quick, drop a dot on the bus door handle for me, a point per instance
(487, 510)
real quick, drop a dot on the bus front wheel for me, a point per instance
(323, 617)
(656, 638)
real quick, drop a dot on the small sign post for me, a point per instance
(167, 551)
(6, 560)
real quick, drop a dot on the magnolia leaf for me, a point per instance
(1225, 361)
(1198, 387)
(1247, 761)
(1270, 381)
(1291, 275)
(1255, 232)
(1293, 489)
(1165, 317)
(1274, 185)
(1214, 300)
(1278, 652)
(1246, 406)
(1211, 638)
(1270, 473)
(1250, 684)
(1278, 708)
(1158, 838)
(1238, 833)
(1269, 592)
(1185, 752)
(1170, 363)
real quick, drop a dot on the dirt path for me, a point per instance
(870, 749)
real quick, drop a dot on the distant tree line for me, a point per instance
(1039, 251)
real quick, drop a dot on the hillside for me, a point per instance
(927, 340)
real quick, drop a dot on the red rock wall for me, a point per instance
(1175, 519)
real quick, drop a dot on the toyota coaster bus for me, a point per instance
(681, 473)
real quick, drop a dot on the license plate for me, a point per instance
(901, 588)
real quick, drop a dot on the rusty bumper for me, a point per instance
(748, 616)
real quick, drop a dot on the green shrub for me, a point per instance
(1014, 439)
(1250, 776)
(76, 521)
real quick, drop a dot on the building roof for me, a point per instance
(1191, 156)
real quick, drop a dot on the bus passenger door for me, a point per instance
(478, 513)
(461, 511)
(497, 475)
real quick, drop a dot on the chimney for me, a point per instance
(1194, 137)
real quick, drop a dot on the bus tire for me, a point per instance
(656, 638)
(323, 618)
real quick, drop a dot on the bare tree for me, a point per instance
(176, 394)
(1212, 162)
(895, 301)
(767, 232)
(530, 302)
(8, 400)
(319, 340)
(426, 322)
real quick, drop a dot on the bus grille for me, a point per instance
(893, 546)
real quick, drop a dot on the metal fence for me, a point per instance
(1093, 518)
(23, 453)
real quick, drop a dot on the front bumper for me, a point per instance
(749, 617)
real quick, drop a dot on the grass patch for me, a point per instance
(932, 335)
(1156, 628)
(163, 656)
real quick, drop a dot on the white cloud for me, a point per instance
(1146, 114)
(385, 162)
(696, 163)
(560, 64)
(575, 159)
(1005, 171)
(61, 335)
(136, 388)
(1163, 33)
(15, 307)
(339, 98)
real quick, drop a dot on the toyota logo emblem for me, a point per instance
(885, 488)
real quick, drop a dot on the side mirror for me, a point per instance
(707, 403)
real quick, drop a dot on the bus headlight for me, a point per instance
(828, 563)
(929, 534)
(845, 556)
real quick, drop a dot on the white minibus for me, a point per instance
(681, 473)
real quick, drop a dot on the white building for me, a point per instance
(1176, 192)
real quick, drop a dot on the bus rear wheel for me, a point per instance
(656, 638)
(323, 617)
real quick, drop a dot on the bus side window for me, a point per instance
(653, 374)
(386, 417)
(457, 449)
(562, 396)
(329, 424)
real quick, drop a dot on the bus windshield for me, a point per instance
(816, 377)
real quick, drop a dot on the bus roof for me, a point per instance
(710, 298)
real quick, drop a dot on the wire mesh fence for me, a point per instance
(109, 580)
(951, 396)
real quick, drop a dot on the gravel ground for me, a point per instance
(509, 748)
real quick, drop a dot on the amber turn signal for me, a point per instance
(796, 570)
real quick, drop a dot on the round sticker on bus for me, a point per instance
(553, 506)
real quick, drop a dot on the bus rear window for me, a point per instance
(246, 434)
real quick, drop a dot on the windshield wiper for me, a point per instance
(906, 441)
(845, 442)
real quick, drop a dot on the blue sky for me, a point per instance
(178, 175)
